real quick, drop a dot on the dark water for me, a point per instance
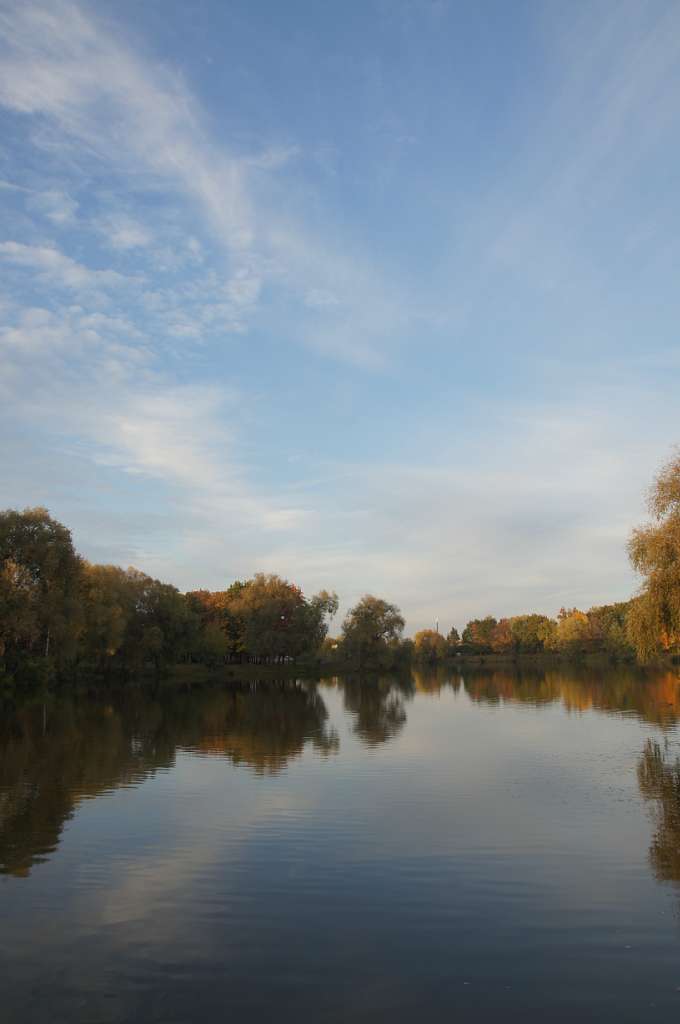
(493, 846)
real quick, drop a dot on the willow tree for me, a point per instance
(371, 631)
(654, 551)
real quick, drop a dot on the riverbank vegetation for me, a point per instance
(63, 618)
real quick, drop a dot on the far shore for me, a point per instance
(318, 669)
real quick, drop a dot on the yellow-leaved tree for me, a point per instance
(654, 550)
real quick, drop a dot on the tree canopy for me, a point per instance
(372, 630)
(654, 551)
(429, 645)
(39, 589)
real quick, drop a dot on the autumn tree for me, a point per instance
(108, 606)
(480, 632)
(217, 612)
(533, 633)
(501, 638)
(131, 620)
(429, 645)
(609, 629)
(573, 631)
(265, 618)
(654, 550)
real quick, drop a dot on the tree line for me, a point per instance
(600, 630)
(61, 616)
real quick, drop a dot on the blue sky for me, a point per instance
(382, 296)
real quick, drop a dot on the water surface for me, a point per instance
(473, 844)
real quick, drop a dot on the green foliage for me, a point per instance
(216, 609)
(267, 618)
(371, 632)
(609, 629)
(39, 594)
(480, 633)
(213, 646)
(533, 633)
(131, 620)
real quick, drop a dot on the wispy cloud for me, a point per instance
(58, 207)
(121, 231)
(121, 413)
(58, 268)
(105, 103)
(77, 73)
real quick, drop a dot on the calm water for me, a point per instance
(453, 846)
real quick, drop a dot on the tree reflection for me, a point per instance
(265, 729)
(378, 706)
(432, 679)
(652, 696)
(49, 762)
(55, 755)
(52, 758)
(659, 780)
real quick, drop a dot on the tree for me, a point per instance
(218, 609)
(19, 626)
(453, 637)
(428, 645)
(130, 620)
(321, 609)
(608, 629)
(502, 638)
(573, 631)
(267, 617)
(480, 632)
(39, 590)
(654, 551)
(533, 633)
(213, 646)
(108, 606)
(372, 630)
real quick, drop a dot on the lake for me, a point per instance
(455, 845)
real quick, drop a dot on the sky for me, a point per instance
(379, 295)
